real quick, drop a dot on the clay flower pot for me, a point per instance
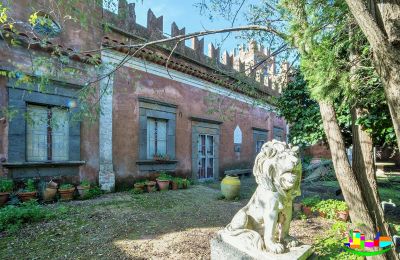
(26, 196)
(307, 210)
(49, 194)
(139, 186)
(174, 185)
(163, 184)
(3, 198)
(342, 215)
(150, 186)
(82, 190)
(67, 194)
(322, 214)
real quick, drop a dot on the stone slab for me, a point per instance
(220, 250)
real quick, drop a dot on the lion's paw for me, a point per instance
(291, 242)
(276, 248)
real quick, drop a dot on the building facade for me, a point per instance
(188, 113)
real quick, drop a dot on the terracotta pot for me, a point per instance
(150, 186)
(67, 195)
(3, 198)
(307, 210)
(139, 186)
(163, 184)
(26, 196)
(342, 215)
(322, 214)
(230, 187)
(174, 185)
(49, 194)
(82, 190)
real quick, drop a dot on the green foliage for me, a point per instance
(329, 246)
(330, 207)
(13, 217)
(302, 112)
(29, 185)
(85, 183)
(6, 185)
(93, 192)
(66, 186)
(164, 176)
(310, 201)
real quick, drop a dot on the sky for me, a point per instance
(185, 14)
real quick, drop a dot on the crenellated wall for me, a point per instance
(243, 61)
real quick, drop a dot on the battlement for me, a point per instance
(246, 60)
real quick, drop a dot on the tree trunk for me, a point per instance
(363, 168)
(347, 180)
(384, 38)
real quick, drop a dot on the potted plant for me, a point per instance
(163, 181)
(6, 186)
(66, 192)
(50, 191)
(29, 192)
(176, 183)
(139, 185)
(342, 211)
(307, 204)
(185, 183)
(83, 188)
(150, 186)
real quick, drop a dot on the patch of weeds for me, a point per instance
(13, 217)
(220, 196)
(330, 245)
(93, 192)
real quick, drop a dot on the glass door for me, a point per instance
(206, 157)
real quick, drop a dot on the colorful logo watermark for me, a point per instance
(356, 240)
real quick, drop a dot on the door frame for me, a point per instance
(202, 127)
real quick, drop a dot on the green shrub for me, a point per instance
(66, 186)
(13, 217)
(310, 201)
(29, 186)
(85, 183)
(164, 177)
(6, 185)
(330, 207)
(329, 246)
(93, 192)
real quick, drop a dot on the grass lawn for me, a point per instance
(166, 225)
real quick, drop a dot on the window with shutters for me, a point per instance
(47, 133)
(156, 137)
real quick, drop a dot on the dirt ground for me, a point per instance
(160, 225)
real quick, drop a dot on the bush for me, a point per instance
(330, 207)
(164, 176)
(13, 217)
(66, 187)
(310, 201)
(93, 192)
(6, 185)
(329, 246)
(29, 186)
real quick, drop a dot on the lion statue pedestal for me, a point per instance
(260, 230)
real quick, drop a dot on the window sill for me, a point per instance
(42, 164)
(147, 162)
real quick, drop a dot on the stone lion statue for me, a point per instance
(263, 224)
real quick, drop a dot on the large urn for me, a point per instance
(230, 187)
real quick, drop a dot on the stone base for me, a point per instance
(221, 250)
